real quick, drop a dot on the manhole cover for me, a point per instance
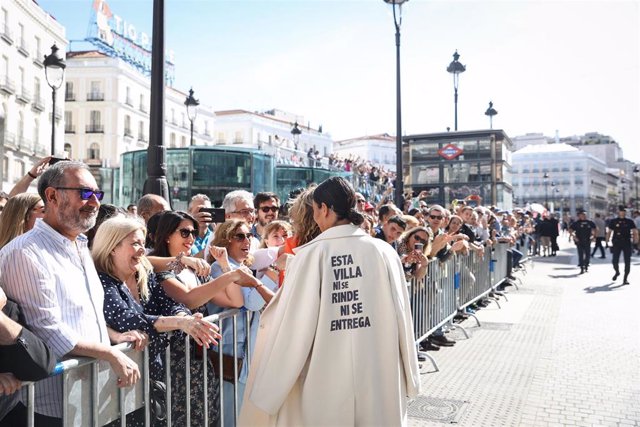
(496, 326)
(436, 409)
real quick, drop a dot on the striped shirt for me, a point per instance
(54, 281)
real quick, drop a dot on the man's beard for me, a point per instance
(77, 220)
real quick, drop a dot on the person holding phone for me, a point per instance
(198, 209)
(414, 246)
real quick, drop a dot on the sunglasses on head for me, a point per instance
(85, 193)
(239, 237)
(267, 209)
(186, 232)
(435, 216)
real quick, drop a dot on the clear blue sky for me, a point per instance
(571, 66)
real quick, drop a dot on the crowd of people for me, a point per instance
(78, 276)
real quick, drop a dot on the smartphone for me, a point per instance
(217, 214)
(418, 247)
(55, 160)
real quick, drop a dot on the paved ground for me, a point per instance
(564, 350)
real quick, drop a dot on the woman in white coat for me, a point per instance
(335, 345)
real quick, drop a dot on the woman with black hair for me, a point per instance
(336, 344)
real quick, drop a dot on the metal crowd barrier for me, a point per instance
(451, 286)
(91, 395)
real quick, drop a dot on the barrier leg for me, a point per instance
(470, 315)
(431, 359)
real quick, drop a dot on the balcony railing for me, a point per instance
(69, 96)
(10, 140)
(23, 48)
(69, 128)
(37, 104)
(37, 59)
(128, 133)
(94, 128)
(142, 137)
(144, 108)
(25, 145)
(6, 85)
(6, 34)
(41, 150)
(95, 96)
(58, 114)
(24, 95)
(129, 102)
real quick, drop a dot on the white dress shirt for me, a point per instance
(55, 282)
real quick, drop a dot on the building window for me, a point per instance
(96, 93)
(36, 131)
(172, 141)
(20, 125)
(68, 92)
(238, 138)
(5, 168)
(19, 169)
(221, 138)
(183, 141)
(141, 131)
(128, 100)
(67, 150)
(143, 104)
(94, 151)
(127, 125)
(38, 51)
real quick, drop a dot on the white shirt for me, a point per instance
(55, 282)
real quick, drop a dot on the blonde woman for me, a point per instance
(134, 300)
(19, 216)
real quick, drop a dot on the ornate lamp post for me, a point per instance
(192, 110)
(545, 180)
(490, 112)
(456, 68)
(636, 175)
(295, 133)
(54, 72)
(624, 188)
(397, 20)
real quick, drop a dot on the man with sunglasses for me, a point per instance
(49, 272)
(267, 207)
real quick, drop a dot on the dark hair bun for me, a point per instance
(355, 217)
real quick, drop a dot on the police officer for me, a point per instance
(624, 231)
(583, 231)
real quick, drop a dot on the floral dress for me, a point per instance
(124, 313)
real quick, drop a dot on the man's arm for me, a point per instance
(126, 369)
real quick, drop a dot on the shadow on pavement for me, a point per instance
(604, 288)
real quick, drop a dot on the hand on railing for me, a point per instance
(126, 369)
(246, 278)
(138, 338)
(203, 332)
(9, 384)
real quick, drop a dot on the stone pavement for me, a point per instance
(564, 350)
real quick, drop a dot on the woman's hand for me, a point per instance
(203, 332)
(40, 166)
(219, 253)
(9, 384)
(139, 339)
(198, 265)
(246, 278)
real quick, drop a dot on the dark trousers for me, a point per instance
(18, 417)
(584, 250)
(626, 249)
(597, 246)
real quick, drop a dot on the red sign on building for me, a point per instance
(450, 151)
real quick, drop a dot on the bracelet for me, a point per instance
(275, 267)
(225, 269)
(32, 175)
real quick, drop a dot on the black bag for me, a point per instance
(158, 400)
(227, 366)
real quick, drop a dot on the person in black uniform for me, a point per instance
(583, 231)
(624, 231)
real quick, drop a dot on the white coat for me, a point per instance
(335, 346)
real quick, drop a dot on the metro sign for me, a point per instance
(450, 151)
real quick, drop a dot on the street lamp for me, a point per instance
(636, 174)
(397, 20)
(295, 132)
(490, 112)
(545, 180)
(624, 199)
(54, 72)
(192, 110)
(456, 68)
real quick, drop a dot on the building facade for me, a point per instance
(107, 111)
(561, 177)
(455, 165)
(26, 34)
(271, 132)
(378, 149)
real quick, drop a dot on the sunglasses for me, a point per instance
(361, 200)
(267, 209)
(186, 232)
(85, 193)
(239, 237)
(435, 216)
(420, 239)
